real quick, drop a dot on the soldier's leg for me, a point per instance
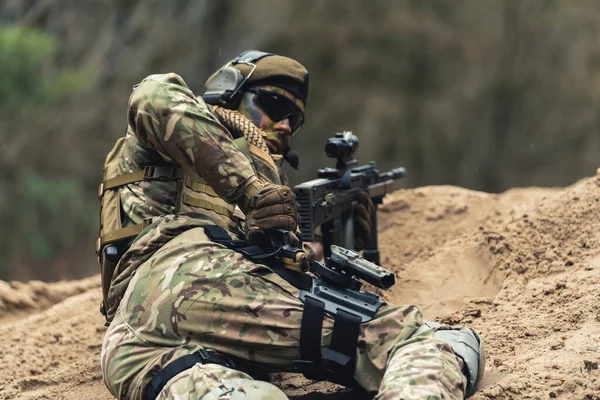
(192, 295)
(127, 360)
(436, 362)
(401, 357)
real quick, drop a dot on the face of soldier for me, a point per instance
(275, 111)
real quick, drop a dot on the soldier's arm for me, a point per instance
(165, 115)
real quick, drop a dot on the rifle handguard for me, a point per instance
(351, 263)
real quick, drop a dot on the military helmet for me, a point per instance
(250, 68)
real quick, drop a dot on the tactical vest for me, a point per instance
(192, 193)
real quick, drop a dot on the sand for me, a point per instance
(521, 267)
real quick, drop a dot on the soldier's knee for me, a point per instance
(245, 389)
(467, 345)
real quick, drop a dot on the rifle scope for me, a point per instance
(342, 146)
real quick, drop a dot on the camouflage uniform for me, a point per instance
(188, 135)
(176, 292)
(188, 293)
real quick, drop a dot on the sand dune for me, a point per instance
(522, 267)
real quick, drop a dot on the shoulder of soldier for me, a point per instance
(167, 89)
(168, 85)
(168, 78)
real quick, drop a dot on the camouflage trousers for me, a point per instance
(193, 294)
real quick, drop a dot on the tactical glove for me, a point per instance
(269, 207)
(362, 221)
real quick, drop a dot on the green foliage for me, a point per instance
(22, 53)
(486, 94)
(39, 214)
(26, 72)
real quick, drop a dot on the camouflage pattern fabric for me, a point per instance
(181, 292)
(212, 382)
(168, 125)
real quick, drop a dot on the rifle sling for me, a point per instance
(297, 279)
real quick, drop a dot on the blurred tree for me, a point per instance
(40, 213)
(485, 94)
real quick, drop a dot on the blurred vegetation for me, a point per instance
(41, 214)
(485, 94)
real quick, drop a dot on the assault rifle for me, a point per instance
(334, 286)
(328, 200)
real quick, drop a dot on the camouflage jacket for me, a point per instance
(168, 125)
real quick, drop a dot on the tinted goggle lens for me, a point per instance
(279, 107)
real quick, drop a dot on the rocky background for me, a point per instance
(483, 94)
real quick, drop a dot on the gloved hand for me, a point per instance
(270, 207)
(362, 221)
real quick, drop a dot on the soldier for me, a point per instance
(192, 318)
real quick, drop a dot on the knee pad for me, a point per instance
(467, 345)
(245, 389)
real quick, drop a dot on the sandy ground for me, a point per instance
(522, 267)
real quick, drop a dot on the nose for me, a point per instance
(283, 127)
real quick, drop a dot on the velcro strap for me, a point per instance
(340, 358)
(338, 363)
(216, 233)
(310, 339)
(192, 201)
(149, 173)
(162, 173)
(124, 179)
(128, 232)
